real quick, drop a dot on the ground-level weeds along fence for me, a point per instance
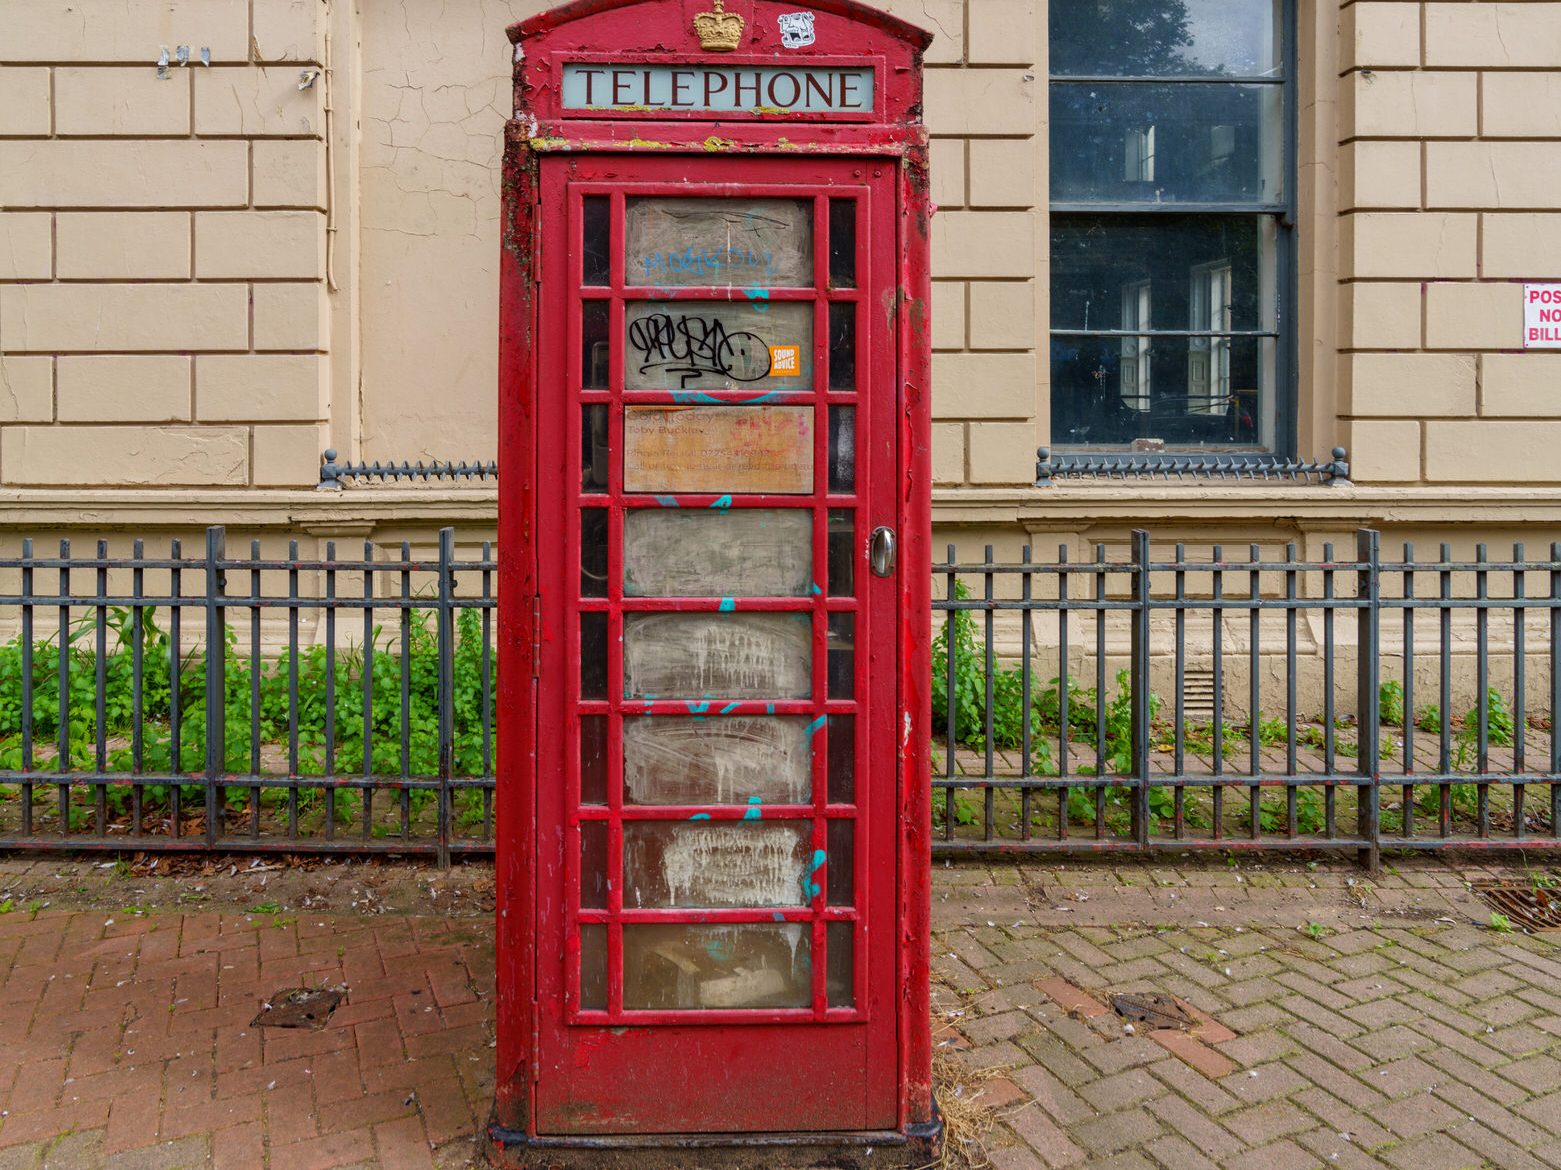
(1119, 704)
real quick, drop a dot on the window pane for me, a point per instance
(593, 655)
(594, 344)
(689, 345)
(840, 966)
(749, 243)
(842, 346)
(842, 450)
(842, 552)
(710, 656)
(593, 449)
(840, 876)
(593, 552)
(734, 759)
(1142, 273)
(720, 865)
(1152, 38)
(842, 759)
(593, 967)
(593, 759)
(702, 552)
(842, 655)
(1165, 143)
(842, 243)
(596, 260)
(724, 449)
(714, 967)
(593, 865)
(1209, 392)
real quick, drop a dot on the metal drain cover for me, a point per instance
(1158, 1011)
(1534, 908)
(299, 1007)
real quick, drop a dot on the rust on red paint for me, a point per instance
(572, 1081)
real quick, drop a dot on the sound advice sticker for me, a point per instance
(796, 29)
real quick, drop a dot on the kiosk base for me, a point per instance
(919, 1145)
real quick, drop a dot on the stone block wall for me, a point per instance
(1450, 194)
(163, 244)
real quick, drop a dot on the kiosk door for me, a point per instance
(716, 840)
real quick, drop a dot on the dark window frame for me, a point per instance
(1281, 213)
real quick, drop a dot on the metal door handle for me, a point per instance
(881, 552)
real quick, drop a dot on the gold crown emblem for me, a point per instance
(719, 31)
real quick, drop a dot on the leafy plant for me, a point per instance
(1500, 923)
(1390, 703)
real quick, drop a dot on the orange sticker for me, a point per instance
(785, 361)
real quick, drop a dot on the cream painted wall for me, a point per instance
(436, 94)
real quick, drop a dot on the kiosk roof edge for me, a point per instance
(849, 9)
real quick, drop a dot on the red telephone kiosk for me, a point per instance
(713, 802)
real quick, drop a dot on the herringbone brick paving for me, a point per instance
(1341, 1022)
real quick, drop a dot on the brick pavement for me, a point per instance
(130, 1044)
(1341, 1022)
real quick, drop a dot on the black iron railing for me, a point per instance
(1124, 702)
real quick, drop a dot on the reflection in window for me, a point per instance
(1171, 205)
(1134, 372)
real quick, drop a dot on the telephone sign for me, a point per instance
(713, 820)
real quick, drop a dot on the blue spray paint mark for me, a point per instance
(720, 949)
(755, 810)
(817, 725)
(811, 888)
(729, 708)
(769, 708)
(760, 298)
(700, 817)
(778, 916)
(728, 605)
(723, 504)
(697, 708)
(667, 501)
(816, 589)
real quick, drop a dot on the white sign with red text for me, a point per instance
(1542, 316)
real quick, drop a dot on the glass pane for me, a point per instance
(593, 865)
(842, 449)
(842, 552)
(750, 243)
(1165, 143)
(596, 261)
(718, 449)
(842, 346)
(714, 967)
(1138, 273)
(842, 243)
(1152, 38)
(593, 552)
(705, 864)
(593, 967)
(1176, 391)
(596, 347)
(741, 552)
(729, 656)
(694, 345)
(735, 759)
(593, 656)
(841, 870)
(840, 964)
(593, 759)
(842, 655)
(593, 449)
(842, 759)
